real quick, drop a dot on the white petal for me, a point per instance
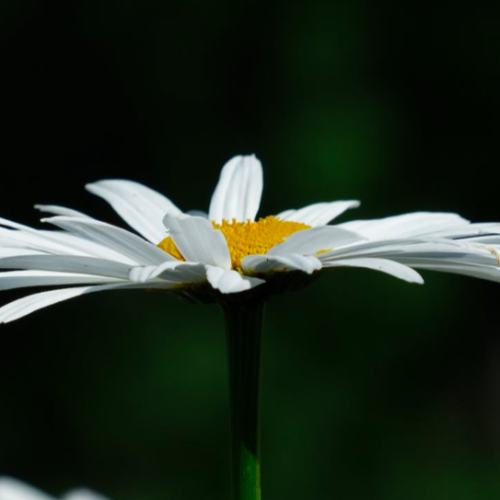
(198, 213)
(391, 248)
(11, 280)
(471, 230)
(15, 252)
(386, 266)
(32, 239)
(439, 250)
(141, 207)
(318, 214)
(31, 303)
(311, 241)
(475, 259)
(33, 242)
(78, 245)
(120, 240)
(483, 272)
(286, 214)
(230, 281)
(57, 210)
(198, 241)
(483, 240)
(83, 494)
(442, 255)
(56, 242)
(292, 262)
(239, 190)
(15, 225)
(406, 225)
(67, 264)
(175, 272)
(12, 489)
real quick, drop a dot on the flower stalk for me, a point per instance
(243, 328)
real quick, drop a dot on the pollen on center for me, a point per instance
(246, 238)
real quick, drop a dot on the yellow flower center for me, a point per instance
(246, 238)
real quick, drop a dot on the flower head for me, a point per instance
(227, 251)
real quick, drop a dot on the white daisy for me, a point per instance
(227, 252)
(12, 489)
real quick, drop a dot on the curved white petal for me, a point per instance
(31, 241)
(175, 272)
(386, 266)
(393, 248)
(474, 257)
(198, 241)
(311, 241)
(141, 207)
(27, 305)
(67, 264)
(489, 273)
(291, 262)
(120, 240)
(83, 494)
(14, 225)
(318, 214)
(230, 281)
(483, 240)
(407, 225)
(198, 213)
(15, 252)
(26, 237)
(11, 280)
(480, 257)
(474, 230)
(79, 245)
(239, 190)
(54, 242)
(12, 489)
(57, 210)
(439, 250)
(285, 214)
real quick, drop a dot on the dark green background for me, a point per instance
(373, 388)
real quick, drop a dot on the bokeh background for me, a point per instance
(373, 388)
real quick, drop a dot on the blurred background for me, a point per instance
(372, 388)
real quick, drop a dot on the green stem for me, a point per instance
(243, 327)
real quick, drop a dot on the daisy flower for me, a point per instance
(229, 256)
(12, 489)
(228, 251)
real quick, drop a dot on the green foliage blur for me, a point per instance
(372, 388)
